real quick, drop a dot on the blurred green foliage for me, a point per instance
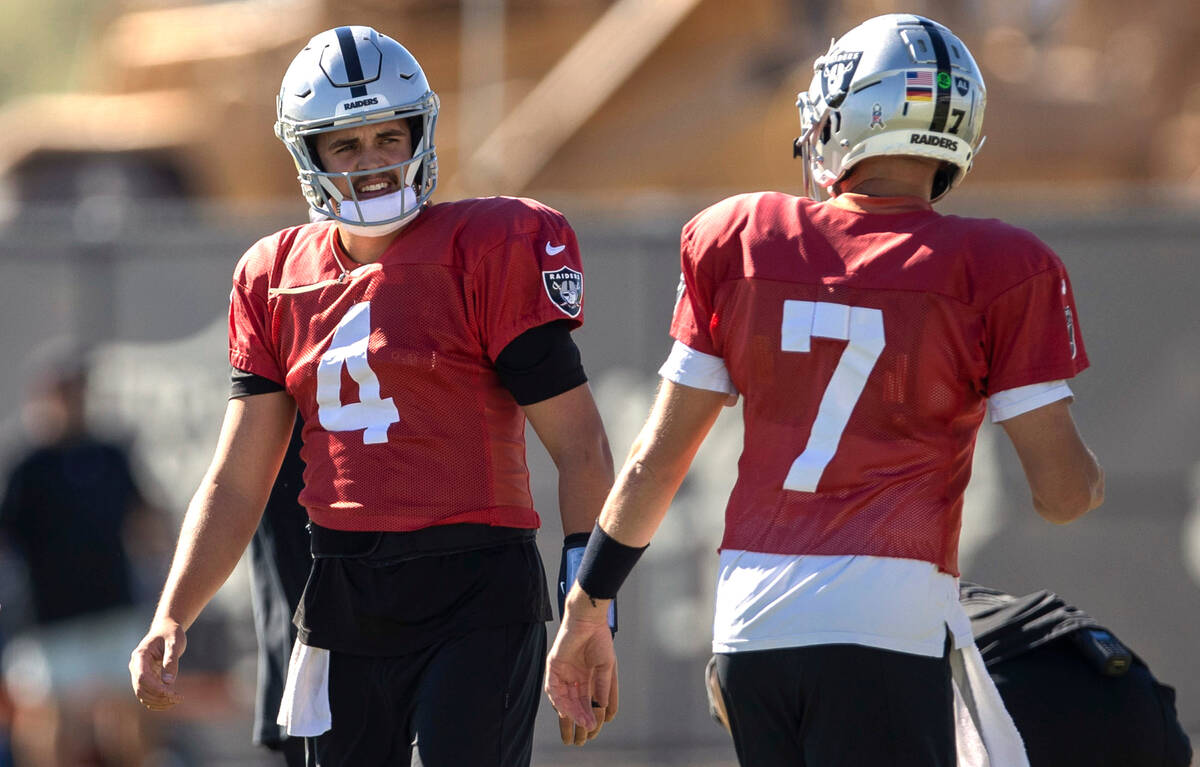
(45, 44)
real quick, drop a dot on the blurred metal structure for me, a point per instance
(610, 97)
(571, 93)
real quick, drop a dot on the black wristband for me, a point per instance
(606, 564)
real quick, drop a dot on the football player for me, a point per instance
(415, 340)
(868, 335)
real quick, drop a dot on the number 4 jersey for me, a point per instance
(390, 363)
(866, 336)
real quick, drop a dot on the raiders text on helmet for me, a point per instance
(894, 85)
(352, 76)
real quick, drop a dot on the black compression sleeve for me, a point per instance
(541, 363)
(244, 384)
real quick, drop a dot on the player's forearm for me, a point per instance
(639, 500)
(1068, 497)
(585, 476)
(216, 530)
(658, 462)
(635, 508)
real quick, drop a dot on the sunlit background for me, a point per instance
(137, 163)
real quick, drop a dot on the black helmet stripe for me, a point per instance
(943, 81)
(354, 71)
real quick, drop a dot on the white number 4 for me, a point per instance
(862, 329)
(349, 348)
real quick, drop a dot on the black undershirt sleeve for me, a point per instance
(244, 384)
(541, 363)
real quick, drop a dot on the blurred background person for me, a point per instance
(73, 513)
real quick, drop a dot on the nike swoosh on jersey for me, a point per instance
(554, 250)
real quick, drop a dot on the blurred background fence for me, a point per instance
(139, 164)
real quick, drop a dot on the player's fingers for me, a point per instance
(581, 701)
(570, 699)
(147, 677)
(600, 720)
(566, 730)
(173, 649)
(579, 736)
(602, 686)
(152, 693)
(144, 665)
(610, 712)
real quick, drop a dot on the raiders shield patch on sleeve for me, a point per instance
(565, 288)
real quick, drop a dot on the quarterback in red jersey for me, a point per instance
(414, 340)
(869, 336)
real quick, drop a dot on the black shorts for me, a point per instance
(469, 701)
(838, 706)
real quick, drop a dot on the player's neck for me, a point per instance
(891, 177)
(892, 187)
(365, 250)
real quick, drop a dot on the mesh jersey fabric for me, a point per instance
(391, 363)
(778, 286)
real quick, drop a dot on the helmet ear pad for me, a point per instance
(416, 132)
(311, 143)
(947, 173)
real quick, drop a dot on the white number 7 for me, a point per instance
(349, 347)
(862, 329)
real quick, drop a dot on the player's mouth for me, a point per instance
(375, 186)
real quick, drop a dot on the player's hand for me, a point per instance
(154, 665)
(581, 671)
(573, 734)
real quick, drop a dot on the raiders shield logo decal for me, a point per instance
(565, 288)
(838, 70)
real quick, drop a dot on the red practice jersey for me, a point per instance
(866, 341)
(391, 364)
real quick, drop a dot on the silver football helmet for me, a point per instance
(352, 76)
(897, 84)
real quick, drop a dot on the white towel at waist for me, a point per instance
(304, 710)
(985, 733)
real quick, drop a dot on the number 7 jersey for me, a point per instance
(866, 336)
(391, 363)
